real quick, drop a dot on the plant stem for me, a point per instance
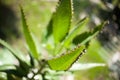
(39, 71)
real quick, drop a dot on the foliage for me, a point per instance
(63, 38)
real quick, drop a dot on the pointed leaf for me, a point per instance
(85, 66)
(65, 61)
(28, 36)
(10, 49)
(22, 63)
(75, 31)
(79, 26)
(62, 20)
(87, 36)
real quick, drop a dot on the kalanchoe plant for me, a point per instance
(63, 35)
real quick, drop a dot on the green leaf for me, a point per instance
(24, 66)
(12, 69)
(28, 37)
(87, 36)
(49, 29)
(31, 61)
(10, 49)
(65, 61)
(5, 67)
(62, 20)
(16, 70)
(10, 77)
(81, 66)
(82, 38)
(17, 73)
(75, 31)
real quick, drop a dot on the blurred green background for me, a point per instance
(38, 13)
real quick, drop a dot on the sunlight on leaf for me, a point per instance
(65, 61)
(79, 26)
(75, 31)
(62, 20)
(10, 49)
(5, 67)
(22, 63)
(85, 66)
(28, 36)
